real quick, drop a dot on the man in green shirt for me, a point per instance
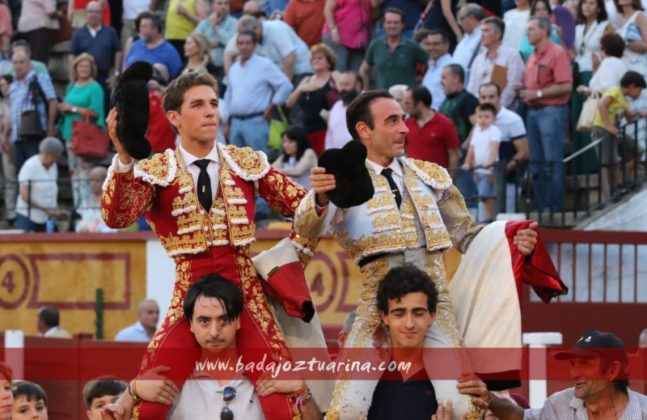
(392, 60)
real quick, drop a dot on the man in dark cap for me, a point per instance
(598, 365)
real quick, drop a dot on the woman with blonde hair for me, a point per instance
(197, 54)
(84, 97)
(315, 94)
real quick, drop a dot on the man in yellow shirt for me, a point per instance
(611, 108)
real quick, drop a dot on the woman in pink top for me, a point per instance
(347, 30)
(6, 28)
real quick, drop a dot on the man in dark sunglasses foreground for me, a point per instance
(213, 306)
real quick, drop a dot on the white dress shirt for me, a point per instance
(466, 49)
(482, 72)
(253, 85)
(337, 134)
(432, 79)
(397, 174)
(188, 160)
(194, 170)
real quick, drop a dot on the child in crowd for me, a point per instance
(606, 127)
(482, 156)
(100, 392)
(29, 402)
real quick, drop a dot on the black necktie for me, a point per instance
(204, 184)
(386, 173)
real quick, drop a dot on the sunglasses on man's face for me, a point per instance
(228, 394)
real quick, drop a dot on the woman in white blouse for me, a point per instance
(297, 158)
(631, 25)
(592, 25)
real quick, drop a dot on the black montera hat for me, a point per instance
(131, 100)
(348, 164)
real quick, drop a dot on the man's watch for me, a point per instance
(74, 110)
(540, 94)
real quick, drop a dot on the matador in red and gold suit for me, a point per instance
(201, 242)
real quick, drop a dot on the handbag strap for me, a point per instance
(282, 114)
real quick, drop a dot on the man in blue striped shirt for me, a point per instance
(598, 365)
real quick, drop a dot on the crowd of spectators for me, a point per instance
(299, 63)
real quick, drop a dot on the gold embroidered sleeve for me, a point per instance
(460, 224)
(280, 192)
(308, 223)
(125, 199)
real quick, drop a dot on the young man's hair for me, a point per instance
(360, 110)
(396, 11)
(401, 281)
(101, 387)
(491, 84)
(421, 94)
(217, 287)
(6, 372)
(457, 70)
(174, 96)
(49, 315)
(633, 78)
(30, 390)
(487, 108)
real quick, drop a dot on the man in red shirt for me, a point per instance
(548, 83)
(432, 136)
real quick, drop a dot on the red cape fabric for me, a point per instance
(537, 269)
(288, 285)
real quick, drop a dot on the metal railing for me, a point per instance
(585, 184)
(65, 200)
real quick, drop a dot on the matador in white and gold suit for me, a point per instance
(431, 219)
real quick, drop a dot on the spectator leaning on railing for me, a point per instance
(37, 200)
(606, 127)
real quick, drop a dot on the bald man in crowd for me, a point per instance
(148, 313)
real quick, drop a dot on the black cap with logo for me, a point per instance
(595, 343)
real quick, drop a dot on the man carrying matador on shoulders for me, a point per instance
(200, 202)
(387, 210)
